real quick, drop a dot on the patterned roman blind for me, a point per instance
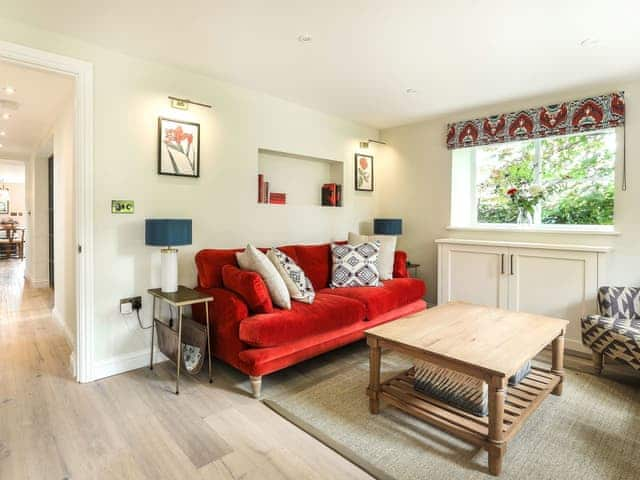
(592, 113)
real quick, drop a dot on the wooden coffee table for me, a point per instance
(487, 343)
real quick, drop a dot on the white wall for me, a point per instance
(16, 201)
(415, 174)
(129, 96)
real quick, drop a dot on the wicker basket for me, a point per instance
(194, 343)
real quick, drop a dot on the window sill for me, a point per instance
(557, 229)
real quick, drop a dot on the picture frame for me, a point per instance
(363, 172)
(4, 207)
(178, 148)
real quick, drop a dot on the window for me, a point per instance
(563, 180)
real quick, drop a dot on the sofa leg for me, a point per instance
(256, 385)
(598, 362)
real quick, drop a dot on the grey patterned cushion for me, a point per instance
(619, 302)
(355, 265)
(457, 389)
(297, 282)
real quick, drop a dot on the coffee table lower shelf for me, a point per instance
(520, 402)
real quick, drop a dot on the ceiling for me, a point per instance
(38, 98)
(365, 54)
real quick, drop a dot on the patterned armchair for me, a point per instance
(616, 331)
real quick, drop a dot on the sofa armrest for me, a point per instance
(225, 313)
(400, 265)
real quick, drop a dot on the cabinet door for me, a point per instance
(472, 273)
(556, 283)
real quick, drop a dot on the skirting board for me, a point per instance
(124, 363)
(37, 283)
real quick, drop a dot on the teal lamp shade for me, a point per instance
(387, 226)
(167, 232)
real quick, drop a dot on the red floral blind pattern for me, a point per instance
(603, 111)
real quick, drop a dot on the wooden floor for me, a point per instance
(132, 426)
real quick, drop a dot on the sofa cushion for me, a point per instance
(390, 295)
(315, 260)
(386, 255)
(210, 262)
(249, 286)
(297, 283)
(254, 260)
(326, 313)
(355, 265)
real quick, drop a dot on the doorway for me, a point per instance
(81, 181)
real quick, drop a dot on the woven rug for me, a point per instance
(591, 432)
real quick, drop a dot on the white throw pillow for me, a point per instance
(387, 255)
(355, 265)
(254, 260)
(297, 282)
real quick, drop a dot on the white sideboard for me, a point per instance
(547, 279)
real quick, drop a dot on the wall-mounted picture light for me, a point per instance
(365, 144)
(183, 103)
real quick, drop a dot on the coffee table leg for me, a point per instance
(374, 375)
(557, 362)
(497, 446)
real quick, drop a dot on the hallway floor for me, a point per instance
(132, 426)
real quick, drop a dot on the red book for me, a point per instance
(278, 198)
(260, 188)
(265, 198)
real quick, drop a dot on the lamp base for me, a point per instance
(169, 267)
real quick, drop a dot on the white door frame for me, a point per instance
(83, 152)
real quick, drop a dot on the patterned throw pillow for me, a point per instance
(355, 265)
(297, 282)
(386, 257)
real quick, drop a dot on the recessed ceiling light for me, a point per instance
(9, 90)
(589, 42)
(6, 116)
(411, 91)
(305, 38)
(1, 145)
(3, 133)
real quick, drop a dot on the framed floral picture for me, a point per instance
(364, 172)
(178, 148)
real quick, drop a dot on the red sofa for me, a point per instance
(259, 344)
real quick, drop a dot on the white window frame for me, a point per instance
(464, 211)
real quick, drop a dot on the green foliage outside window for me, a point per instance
(575, 172)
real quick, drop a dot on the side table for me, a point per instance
(180, 299)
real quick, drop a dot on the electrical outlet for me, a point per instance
(128, 305)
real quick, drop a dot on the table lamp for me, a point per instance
(168, 233)
(387, 226)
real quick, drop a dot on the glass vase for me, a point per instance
(524, 217)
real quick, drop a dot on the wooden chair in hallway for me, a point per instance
(12, 243)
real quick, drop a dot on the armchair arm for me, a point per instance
(400, 265)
